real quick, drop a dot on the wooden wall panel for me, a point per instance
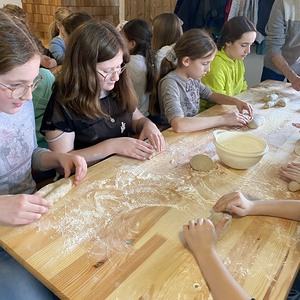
(40, 13)
(147, 9)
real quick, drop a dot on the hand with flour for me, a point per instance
(202, 238)
(236, 203)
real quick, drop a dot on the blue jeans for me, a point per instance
(16, 283)
(295, 290)
(268, 74)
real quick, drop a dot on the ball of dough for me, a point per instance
(283, 101)
(294, 186)
(201, 162)
(297, 148)
(269, 104)
(270, 97)
(256, 122)
(216, 217)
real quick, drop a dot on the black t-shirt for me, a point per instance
(88, 132)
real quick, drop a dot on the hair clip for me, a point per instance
(171, 56)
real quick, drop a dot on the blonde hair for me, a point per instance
(60, 14)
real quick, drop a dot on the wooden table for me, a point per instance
(118, 235)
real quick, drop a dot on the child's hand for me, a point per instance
(154, 136)
(235, 203)
(236, 119)
(22, 209)
(200, 236)
(48, 62)
(241, 106)
(69, 161)
(291, 171)
(297, 125)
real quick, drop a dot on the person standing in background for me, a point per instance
(282, 59)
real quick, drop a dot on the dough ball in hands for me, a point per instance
(294, 186)
(297, 148)
(216, 217)
(256, 122)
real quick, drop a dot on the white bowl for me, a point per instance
(239, 150)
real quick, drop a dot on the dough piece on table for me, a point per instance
(256, 121)
(282, 101)
(297, 148)
(270, 97)
(56, 190)
(216, 217)
(201, 162)
(269, 104)
(294, 186)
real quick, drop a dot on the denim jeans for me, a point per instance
(295, 290)
(268, 74)
(16, 283)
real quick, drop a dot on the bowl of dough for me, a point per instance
(239, 150)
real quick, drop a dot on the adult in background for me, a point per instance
(282, 59)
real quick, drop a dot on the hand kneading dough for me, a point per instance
(216, 217)
(294, 186)
(256, 122)
(200, 162)
(270, 97)
(56, 190)
(297, 148)
(282, 101)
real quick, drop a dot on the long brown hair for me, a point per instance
(167, 30)
(78, 83)
(140, 31)
(60, 14)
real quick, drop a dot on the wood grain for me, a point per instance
(118, 234)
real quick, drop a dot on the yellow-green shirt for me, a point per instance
(226, 76)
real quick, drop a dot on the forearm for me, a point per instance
(221, 283)
(222, 99)
(284, 67)
(190, 124)
(288, 209)
(94, 154)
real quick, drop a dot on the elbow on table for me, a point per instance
(177, 125)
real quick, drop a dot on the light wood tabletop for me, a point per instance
(118, 234)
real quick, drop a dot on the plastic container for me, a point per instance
(239, 150)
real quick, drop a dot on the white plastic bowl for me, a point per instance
(239, 150)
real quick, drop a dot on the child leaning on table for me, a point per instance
(19, 204)
(93, 108)
(180, 90)
(201, 237)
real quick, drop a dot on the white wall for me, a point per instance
(253, 67)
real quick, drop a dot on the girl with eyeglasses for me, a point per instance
(19, 154)
(93, 109)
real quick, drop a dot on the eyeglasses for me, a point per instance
(109, 76)
(20, 90)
